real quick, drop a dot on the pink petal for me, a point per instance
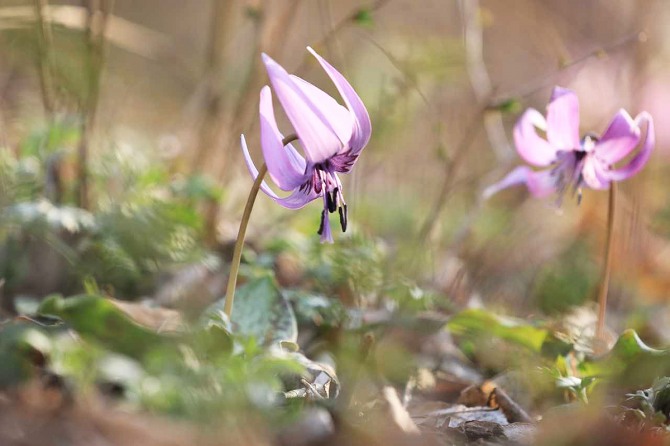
(531, 147)
(339, 118)
(563, 119)
(316, 135)
(363, 130)
(638, 162)
(594, 174)
(620, 138)
(285, 166)
(296, 200)
(540, 184)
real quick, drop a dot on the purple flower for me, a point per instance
(331, 136)
(573, 162)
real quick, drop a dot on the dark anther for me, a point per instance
(343, 217)
(331, 200)
(579, 155)
(323, 222)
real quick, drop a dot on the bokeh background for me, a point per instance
(122, 186)
(152, 96)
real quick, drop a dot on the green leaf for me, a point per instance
(215, 337)
(261, 311)
(629, 346)
(631, 362)
(476, 322)
(96, 319)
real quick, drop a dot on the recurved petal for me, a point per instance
(540, 184)
(285, 166)
(563, 119)
(339, 118)
(531, 147)
(296, 200)
(363, 129)
(317, 137)
(639, 160)
(620, 138)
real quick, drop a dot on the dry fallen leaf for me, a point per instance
(156, 318)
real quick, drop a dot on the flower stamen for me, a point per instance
(323, 221)
(331, 200)
(343, 217)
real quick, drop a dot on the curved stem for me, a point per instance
(242, 232)
(607, 268)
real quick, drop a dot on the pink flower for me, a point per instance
(332, 137)
(573, 162)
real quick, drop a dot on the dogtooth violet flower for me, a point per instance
(572, 162)
(332, 137)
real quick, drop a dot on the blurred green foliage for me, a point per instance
(568, 281)
(199, 372)
(97, 319)
(143, 222)
(484, 323)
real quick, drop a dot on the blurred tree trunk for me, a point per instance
(213, 99)
(98, 12)
(272, 30)
(44, 47)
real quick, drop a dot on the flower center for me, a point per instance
(324, 182)
(567, 170)
(567, 173)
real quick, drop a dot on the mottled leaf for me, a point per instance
(262, 311)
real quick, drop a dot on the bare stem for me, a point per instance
(607, 268)
(242, 232)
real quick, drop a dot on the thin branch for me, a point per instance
(473, 36)
(600, 52)
(451, 168)
(44, 45)
(343, 23)
(398, 65)
(493, 124)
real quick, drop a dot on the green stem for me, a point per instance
(242, 232)
(607, 268)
